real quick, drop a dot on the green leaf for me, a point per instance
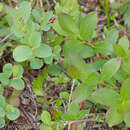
(54, 69)
(2, 101)
(49, 60)
(69, 7)
(12, 113)
(1, 89)
(33, 39)
(113, 117)
(43, 51)
(124, 43)
(103, 48)
(86, 51)
(125, 66)
(127, 17)
(68, 116)
(45, 127)
(2, 112)
(18, 84)
(30, 29)
(73, 108)
(112, 36)
(58, 103)
(36, 63)
(46, 117)
(22, 53)
(115, 5)
(37, 87)
(58, 40)
(46, 27)
(17, 29)
(106, 96)
(120, 76)
(1, 7)
(127, 119)
(58, 28)
(127, 1)
(8, 69)
(4, 78)
(38, 84)
(56, 53)
(67, 23)
(92, 77)
(119, 51)
(37, 13)
(51, 36)
(125, 90)
(65, 95)
(82, 92)
(109, 69)
(45, 20)
(4, 31)
(62, 78)
(17, 71)
(97, 65)
(124, 107)
(2, 122)
(88, 25)
(24, 10)
(40, 99)
(74, 72)
(13, 14)
(72, 47)
(79, 63)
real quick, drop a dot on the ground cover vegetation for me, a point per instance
(65, 64)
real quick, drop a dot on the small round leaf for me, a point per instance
(4, 78)
(18, 84)
(48, 60)
(46, 117)
(43, 51)
(2, 112)
(36, 63)
(17, 71)
(22, 53)
(2, 101)
(113, 117)
(12, 112)
(1, 89)
(8, 69)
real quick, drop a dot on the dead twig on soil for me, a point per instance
(41, 4)
(5, 38)
(78, 121)
(29, 118)
(72, 88)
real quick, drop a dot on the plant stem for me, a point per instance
(88, 43)
(72, 87)
(5, 38)
(107, 13)
(101, 3)
(106, 9)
